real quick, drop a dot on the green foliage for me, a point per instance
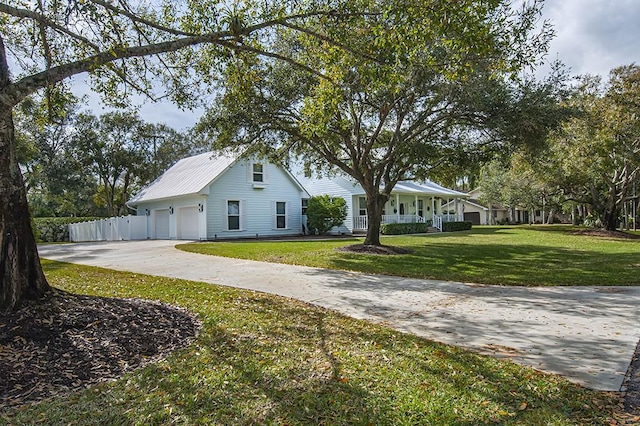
(403, 228)
(325, 212)
(84, 165)
(419, 86)
(595, 157)
(456, 226)
(55, 229)
(592, 221)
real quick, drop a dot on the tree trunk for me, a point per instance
(21, 275)
(610, 218)
(375, 204)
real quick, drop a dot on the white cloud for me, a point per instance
(594, 36)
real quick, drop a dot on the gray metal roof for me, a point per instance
(427, 187)
(318, 186)
(188, 176)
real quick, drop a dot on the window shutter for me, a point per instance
(225, 215)
(287, 211)
(243, 215)
(265, 174)
(249, 166)
(274, 216)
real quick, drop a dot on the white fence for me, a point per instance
(111, 229)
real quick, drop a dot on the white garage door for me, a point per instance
(188, 224)
(161, 231)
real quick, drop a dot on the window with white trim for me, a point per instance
(281, 215)
(258, 172)
(233, 215)
(362, 206)
(305, 206)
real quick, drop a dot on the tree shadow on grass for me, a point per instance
(285, 362)
(527, 265)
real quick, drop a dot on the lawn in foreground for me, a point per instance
(523, 255)
(263, 359)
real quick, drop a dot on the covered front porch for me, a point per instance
(407, 208)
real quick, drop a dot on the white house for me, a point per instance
(410, 202)
(214, 196)
(477, 212)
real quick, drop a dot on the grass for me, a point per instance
(262, 359)
(528, 256)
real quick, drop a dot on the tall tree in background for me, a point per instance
(127, 48)
(598, 152)
(109, 147)
(82, 165)
(432, 86)
(56, 183)
(124, 154)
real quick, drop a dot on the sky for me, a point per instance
(592, 37)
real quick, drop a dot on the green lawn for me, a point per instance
(262, 359)
(529, 256)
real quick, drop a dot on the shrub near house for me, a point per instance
(324, 213)
(404, 228)
(456, 226)
(421, 228)
(55, 229)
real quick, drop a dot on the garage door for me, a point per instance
(161, 227)
(473, 217)
(188, 224)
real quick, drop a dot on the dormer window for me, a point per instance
(258, 172)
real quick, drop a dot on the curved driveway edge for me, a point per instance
(587, 334)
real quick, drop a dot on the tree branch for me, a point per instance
(42, 20)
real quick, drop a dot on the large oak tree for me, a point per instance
(596, 156)
(430, 87)
(127, 47)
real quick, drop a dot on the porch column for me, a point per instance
(433, 207)
(398, 208)
(456, 203)
(415, 207)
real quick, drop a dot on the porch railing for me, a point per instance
(360, 222)
(438, 220)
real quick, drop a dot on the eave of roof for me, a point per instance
(188, 176)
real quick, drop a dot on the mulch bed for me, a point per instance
(68, 342)
(631, 386)
(607, 234)
(370, 249)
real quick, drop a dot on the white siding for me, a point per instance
(174, 204)
(336, 187)
(256, 203)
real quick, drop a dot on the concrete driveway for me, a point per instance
(588, 334)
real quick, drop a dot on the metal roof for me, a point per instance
(188, 176)
(340, 182)
(426, 187)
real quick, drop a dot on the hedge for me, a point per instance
(55, 229)
(404, 228)
(456, 226)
